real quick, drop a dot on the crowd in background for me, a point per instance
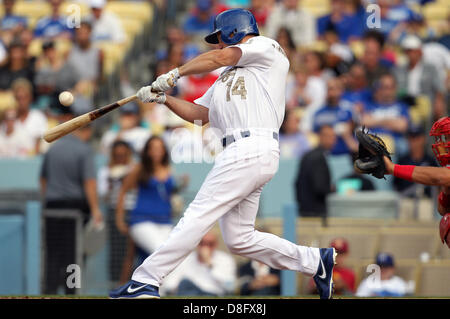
(392, 79)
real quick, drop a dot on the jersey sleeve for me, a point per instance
(205, 99)
(255, 53)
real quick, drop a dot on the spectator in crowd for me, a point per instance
(258, 279)
(284, 39)
(288, 14)
(86, 59)
(207, 271)
(55, 26)
(303, 93)
(14, 143)
(421, 78)
(387, 23)
(313, 182)
(316, 87)
(106, 26)
(372, 58)
(128, 130)
(110, 178)
(386, 115)
(29, 120)
(11, 21)
(347, 27)
(201, 21)
(399, 11)
(17, 66)
(388, 285)
(416, 25)
(150, 221)
(261, 11)
(338, 59)
(53, 75)
(336, 116)
(68, 181)
(357, 93)
(416, 156)
(87, 62)
(293, 143)
(176, 39)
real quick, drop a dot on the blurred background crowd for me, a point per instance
(386, 68)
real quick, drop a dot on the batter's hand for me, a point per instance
(166, 81)
(146, 95)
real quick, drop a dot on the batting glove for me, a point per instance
(146, 95)
(166, 81)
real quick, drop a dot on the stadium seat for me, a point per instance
(309, 238)
(317, 11)
(141, 11)
(132, 27)
(434, 279)
(368, 204)
(357, 223)
(406, 242)
(436, 11)
(36, 9)
(6, 100)
(113, 54)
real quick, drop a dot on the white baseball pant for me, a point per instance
(230, 194)
(149, 236)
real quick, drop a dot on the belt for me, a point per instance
(228, 139)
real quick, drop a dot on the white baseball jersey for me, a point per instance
(252, 93)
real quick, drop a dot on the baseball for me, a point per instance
(66, 98)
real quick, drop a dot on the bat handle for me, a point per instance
(127, 100)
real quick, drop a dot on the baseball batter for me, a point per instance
(246, 104)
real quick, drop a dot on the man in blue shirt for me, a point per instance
(54, 26)
(202, 21)
(347, 26)
(10, 21)
(336, 116)
(357, 93)
(386, 115)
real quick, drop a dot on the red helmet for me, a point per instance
(441, 148)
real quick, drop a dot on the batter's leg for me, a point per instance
(240, 236)
(228, 183)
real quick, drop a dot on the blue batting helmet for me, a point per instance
(233, 26)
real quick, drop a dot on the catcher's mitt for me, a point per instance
(370, 154)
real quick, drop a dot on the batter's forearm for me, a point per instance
(210, 61)
(188, 111)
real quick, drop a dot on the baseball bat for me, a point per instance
(80, 121)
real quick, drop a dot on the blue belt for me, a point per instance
(228, 139)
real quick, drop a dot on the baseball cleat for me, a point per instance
(134, 289)
(324, 276)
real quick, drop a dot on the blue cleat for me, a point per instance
(135, 289)
(324, 275)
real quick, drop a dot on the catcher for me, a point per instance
(373, 158)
